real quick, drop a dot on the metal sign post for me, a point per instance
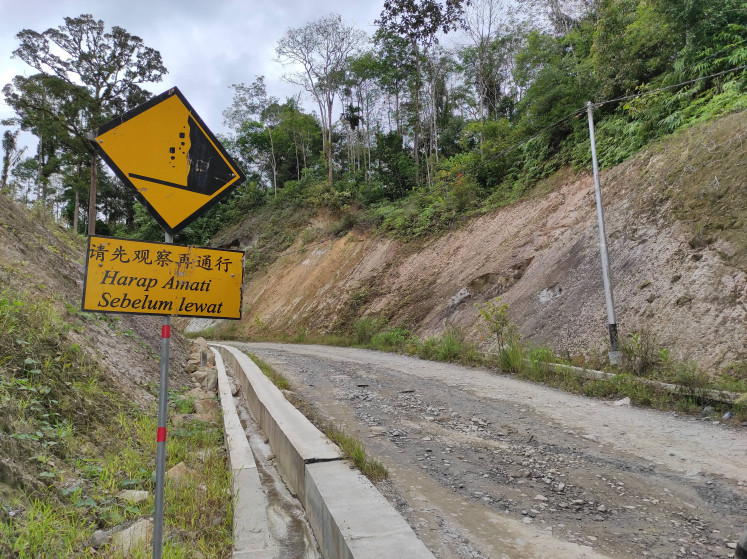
(163, 409)
(178, 170)
(614, 353)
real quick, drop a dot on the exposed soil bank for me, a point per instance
(675, 217)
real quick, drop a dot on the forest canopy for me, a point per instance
(451, 107)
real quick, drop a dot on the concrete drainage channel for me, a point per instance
(350, 519)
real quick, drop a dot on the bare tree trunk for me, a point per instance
(273, 162)
(396, 112)
(330, 154)
(40, 194)
(92, 197)
(76, 210)
(303, 152)
(368, 140)
(416, 129)
(435, 118)
(323, 117)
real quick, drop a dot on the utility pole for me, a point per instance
(614, 353)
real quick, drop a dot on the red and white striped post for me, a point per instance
(163, 408)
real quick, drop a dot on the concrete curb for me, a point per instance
(349, 517)
(352, 520)
(293, 439)
(250, 529)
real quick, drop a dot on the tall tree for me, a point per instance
(321, 48)
(11, 157)
(103, 69)
(396, 68)
(303, 131)
(23, 178)
(51, 110)
(494, 42)
(253, 116)
(419, 21)
(359, 95)
(273, 140)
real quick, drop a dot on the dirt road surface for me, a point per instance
(486, 466)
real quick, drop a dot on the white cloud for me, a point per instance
(206, 46)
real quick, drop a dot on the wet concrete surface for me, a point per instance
(285, 516)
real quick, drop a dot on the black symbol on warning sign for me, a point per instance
(208, 171)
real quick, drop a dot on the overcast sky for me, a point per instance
(206, 45)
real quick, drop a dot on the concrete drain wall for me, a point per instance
(349, 517)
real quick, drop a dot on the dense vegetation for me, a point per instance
(71, 440)
(451, 108)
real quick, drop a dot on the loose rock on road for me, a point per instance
(486, 466)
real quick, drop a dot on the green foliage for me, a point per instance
(511, 356)
(181, 404)
(541, 360)
(427, 137)
(632, 45)
(451, 347)
(554, 77)
(495, 315)
(86, 75)
(366, 328)
(640, 353)
(277, 379)
(52, 402)
(396, 169)
(390, 339)
(43, 377)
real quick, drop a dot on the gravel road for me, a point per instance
(487, 466)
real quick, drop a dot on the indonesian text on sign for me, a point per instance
(165, 279)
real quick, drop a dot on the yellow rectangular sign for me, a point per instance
(139, 277)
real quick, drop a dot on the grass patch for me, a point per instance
(277, 379)
(61, 525)
(71, 445)
(366, 328)
(353, 450)
(452, 347)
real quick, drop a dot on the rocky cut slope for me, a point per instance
(675, 217)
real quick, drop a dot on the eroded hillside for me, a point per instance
(675, 217)
(65, 375)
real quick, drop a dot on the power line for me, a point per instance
(545, 129)
(598, 104)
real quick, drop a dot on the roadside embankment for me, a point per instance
(349, 517)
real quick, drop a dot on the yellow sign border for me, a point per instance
(144, 277)
(210, 200)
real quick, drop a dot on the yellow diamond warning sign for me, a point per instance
(139, 277)
(164, 151)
